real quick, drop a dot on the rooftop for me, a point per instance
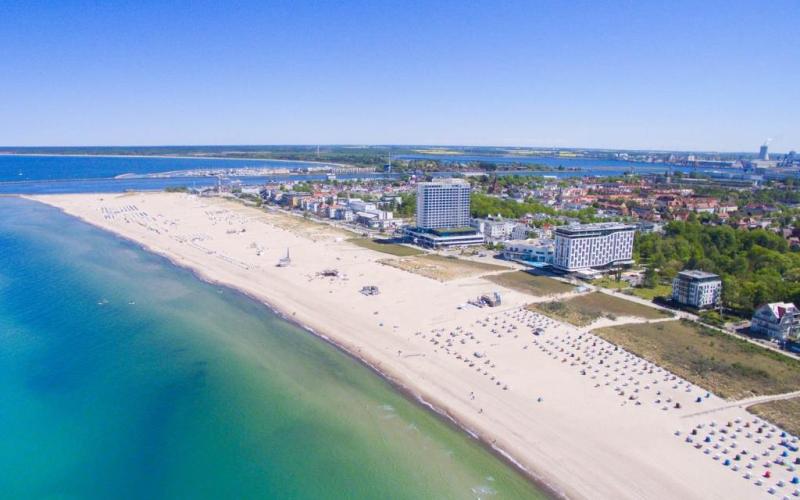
(444, 181)
(698, 274)
(781, 308)
(597, 226)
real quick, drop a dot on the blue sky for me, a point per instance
(663, 75)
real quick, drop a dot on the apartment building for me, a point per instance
(697, 289)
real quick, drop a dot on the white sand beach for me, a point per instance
(588, 419)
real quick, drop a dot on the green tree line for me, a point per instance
(756, 266)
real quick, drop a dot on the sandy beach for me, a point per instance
(575, 412)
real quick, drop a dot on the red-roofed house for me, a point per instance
(779, 321)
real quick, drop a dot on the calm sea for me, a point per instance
(122, 376)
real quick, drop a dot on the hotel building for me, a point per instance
(585, 246)
(443, 204)
(443, 216)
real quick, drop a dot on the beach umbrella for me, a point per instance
(795, 480)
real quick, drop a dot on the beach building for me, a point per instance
(443, 216)
(541, 251)
(443, 238)
(697, 289)
(585, 246)
(777, 321)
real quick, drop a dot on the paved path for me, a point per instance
(744, 403)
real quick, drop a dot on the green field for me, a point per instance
(729, 366)
(785, 413)
(583, 310)
(524, 282)
(390, 248)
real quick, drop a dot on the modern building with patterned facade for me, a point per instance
(697, 289)
(443, 204)
(585, 246)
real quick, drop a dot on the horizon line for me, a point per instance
(389, 145)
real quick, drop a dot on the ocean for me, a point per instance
(123, 376)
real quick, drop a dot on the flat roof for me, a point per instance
(444, 181)
(474, 235)
(597, 226)
(698, 274)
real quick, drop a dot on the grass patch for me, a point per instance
(652, 293)
(442, 268)
(539, 286)
(583, 310)
(641, 292)
(611, 283)
(785, 413)
(729, 366)
(385, 247)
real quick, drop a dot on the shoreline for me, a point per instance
(580, 443)
(525, 470)
(166, 157)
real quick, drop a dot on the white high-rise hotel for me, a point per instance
(443, 204)
(583, 246)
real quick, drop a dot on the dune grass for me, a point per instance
(442, 268)
(385, 247)
(729, 366)
(785, 413)
(583, 310)
(539, 286)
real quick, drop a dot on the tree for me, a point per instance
(650, 278)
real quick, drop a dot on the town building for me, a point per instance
(521, 232)
(585, 246)
(541, 251)
(443, 204)
(697, 289)
(500, 229)
(777, 321)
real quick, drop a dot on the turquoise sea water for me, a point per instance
(122, 376)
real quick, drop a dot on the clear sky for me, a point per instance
(709, 75)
